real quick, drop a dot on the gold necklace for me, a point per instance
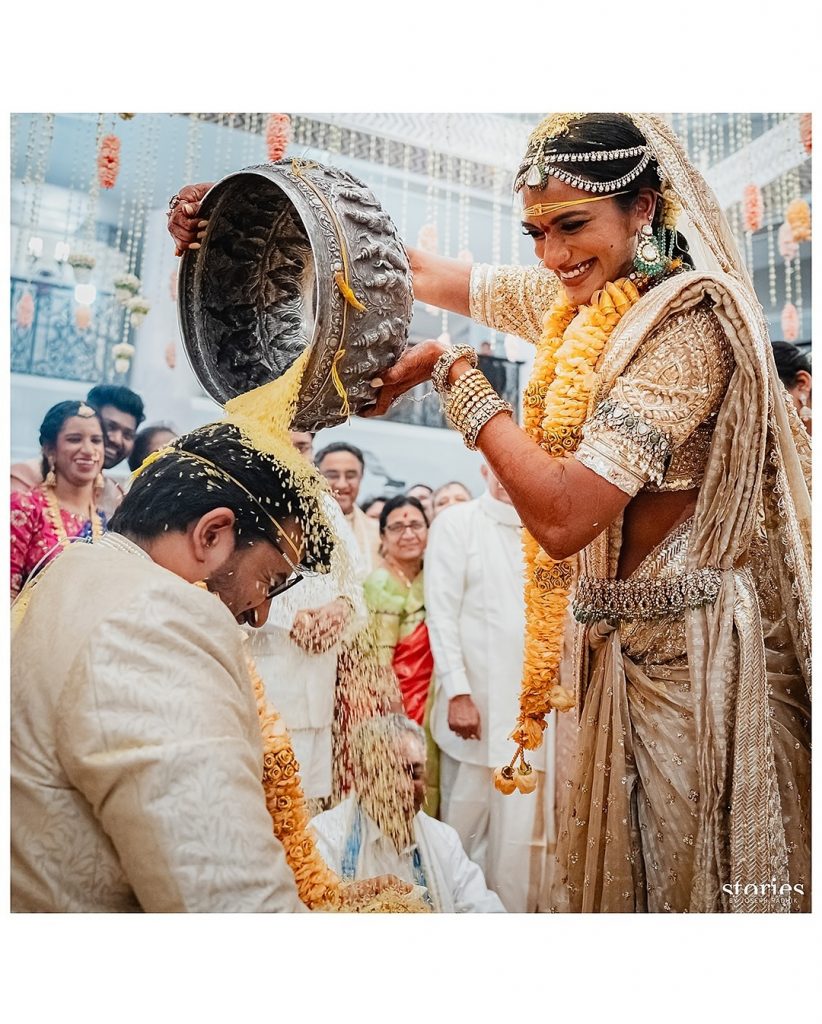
(392, 564)
(56, 518)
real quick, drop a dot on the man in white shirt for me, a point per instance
(353, 843)
(476, 621)
(296, 650)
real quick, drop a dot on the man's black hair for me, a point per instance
(120, 397)
(174, 491)
(340, 446)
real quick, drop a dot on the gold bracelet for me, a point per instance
(471, 403)
(439, 375)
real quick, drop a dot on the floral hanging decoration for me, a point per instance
(790, 322)
(24, 311)
(798, 215)
(805, 131)
(123, 353)
(82, 318)
(171, 355)
(788, 248)
(754, 207)
(126, 286)
(277, 135)
(138, 308)
(108, 161)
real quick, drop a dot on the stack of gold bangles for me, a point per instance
(471, 401)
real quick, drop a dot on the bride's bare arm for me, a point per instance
(441, 282)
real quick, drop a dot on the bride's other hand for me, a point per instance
(413, 368)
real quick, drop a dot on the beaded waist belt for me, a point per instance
(644, 600)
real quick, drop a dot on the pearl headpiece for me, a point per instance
(542, 161)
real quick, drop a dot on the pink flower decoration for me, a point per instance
(806, 131)
(108, 161)
(82, 318)
(798, 215)
(24, 313)
(790, 322)
(171, 355)
(788, 249)
(277, 135)
(754, 207)
(172, 286)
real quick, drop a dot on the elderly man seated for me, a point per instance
(355, 846)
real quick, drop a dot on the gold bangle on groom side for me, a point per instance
(470, 403)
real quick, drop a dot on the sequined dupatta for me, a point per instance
(758, 463)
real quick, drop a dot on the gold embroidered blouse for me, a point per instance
(654, 428)
(512, 300)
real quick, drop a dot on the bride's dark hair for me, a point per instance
(592, 133)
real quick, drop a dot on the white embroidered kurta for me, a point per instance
(476, 621)
(455, 884)
(136, 755)
(299, 683)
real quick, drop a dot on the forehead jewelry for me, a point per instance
(542, 161)
(541, 209)
(85, 410)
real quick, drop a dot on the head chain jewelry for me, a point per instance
(182, 453)
(540, 168)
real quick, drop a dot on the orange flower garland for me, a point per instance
(754, 207)
(798, 215)
(277, 135)
(318, 886)
(108, 161)
(555, 407)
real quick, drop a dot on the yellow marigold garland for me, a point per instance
(555, 407)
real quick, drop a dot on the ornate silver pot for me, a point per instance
(295, 255)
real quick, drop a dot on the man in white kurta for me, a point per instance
(476, 621)
(135, 747)
(136, 751)
(352, 843)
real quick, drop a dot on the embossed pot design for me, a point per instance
(282, 241)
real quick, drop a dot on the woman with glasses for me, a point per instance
(394, 595)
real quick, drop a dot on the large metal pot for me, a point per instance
(285, 244)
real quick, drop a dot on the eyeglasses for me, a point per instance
(298, 572)
(397, 528)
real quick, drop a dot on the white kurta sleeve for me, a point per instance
(159, 732)
(445, 564)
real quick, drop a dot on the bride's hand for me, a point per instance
(414, 368)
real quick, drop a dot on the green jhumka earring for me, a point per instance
(651, 260)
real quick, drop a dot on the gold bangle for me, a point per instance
(470, 403)
(439, 375)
